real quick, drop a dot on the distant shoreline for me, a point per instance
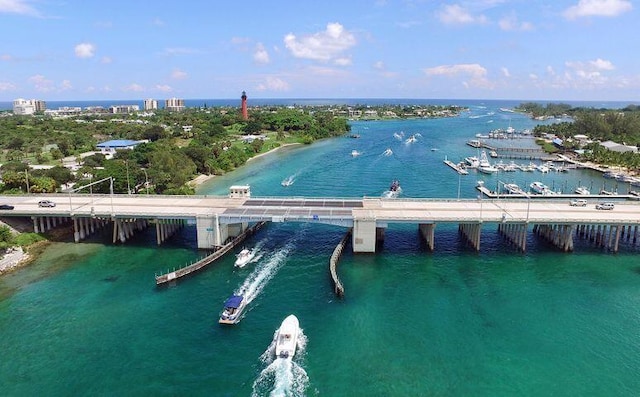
(274, 150)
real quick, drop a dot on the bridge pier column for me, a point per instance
(364, 235)
(76, 233)
(210, 233)
(427, 233)
(35, 224)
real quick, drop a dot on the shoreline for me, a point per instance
(274, 150)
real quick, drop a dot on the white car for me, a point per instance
(604, 206)
(46, 203)
(578, 203)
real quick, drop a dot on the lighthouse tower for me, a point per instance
(245, 113)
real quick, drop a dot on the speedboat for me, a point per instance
(244, 257)
(472, 162)
(287, 337)
(388, 152)
(233, 308)
(287, 181)
(355, 153)
(411, 139)
(513, 188)
(538, 187)
(582, 190)
(394, 189)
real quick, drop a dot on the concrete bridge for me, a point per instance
(217, 218)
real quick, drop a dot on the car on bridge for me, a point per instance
(605, 206)
(578, 203)
(46, 203)
(6, 207)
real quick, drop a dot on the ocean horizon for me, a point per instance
(193, 103)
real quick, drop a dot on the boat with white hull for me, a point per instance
(582, 190)
(485, 166)
(233, 308)
(287, 337)
(244, 257)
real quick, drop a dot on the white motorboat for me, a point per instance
(388, 152)
(244, 257)
(233, 308)
(287, 181)
(472, 162)
(485, 166)
(582, 190)
(513, 188)
(287, 337)
(394, 190)
(541, 188)
(411, 139)
(355, 153)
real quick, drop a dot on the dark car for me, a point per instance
(6, 207)
(46, 203)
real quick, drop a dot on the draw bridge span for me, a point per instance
(218, 219)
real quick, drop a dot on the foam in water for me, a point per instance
(282, 376)
(258, 279)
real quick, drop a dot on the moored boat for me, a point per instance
(233, 308)
(287, 337)
(582, 190)
(485, 166)
(513, 188)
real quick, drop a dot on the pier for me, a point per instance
(333, 263)
(194, 267)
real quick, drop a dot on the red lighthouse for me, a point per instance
(245, 113)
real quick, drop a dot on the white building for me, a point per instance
(174, 104)
(124, 109)
(150, 104)
(28, 106)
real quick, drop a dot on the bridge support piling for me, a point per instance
(471, 233)
(427, 233)
(364, 236)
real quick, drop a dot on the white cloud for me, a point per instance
(178, 74)
(6, 57)
(65, 85)
(133, 87)
(601, 64)
(346, 61)
(322, 46)
(456, 15)
(260, 54)
(106, 60)
(511, 23)
(20, 7)
(85, 50)
(273, 84)
(157, 22)
(475, 72)
(163, 88)
(598, 8)
(41, 83)
(505, 72)
(180, 51)
(4, 86)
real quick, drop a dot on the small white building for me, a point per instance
(240, 191)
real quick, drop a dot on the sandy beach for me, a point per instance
(274, 150)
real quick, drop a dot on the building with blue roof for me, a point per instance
(108, 148)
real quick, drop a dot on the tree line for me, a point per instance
(180, 146)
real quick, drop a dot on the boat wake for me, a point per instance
(261, 275)
(288, 181)
(282, 376)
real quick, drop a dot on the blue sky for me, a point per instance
(476, 49)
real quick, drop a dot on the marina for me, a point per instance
(452, 292)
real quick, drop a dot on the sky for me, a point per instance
(420, 49)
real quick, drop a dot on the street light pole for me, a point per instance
(26, 174)
(146, 180)
(458, 187)
(126, 163)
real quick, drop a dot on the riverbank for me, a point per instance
(274, 150)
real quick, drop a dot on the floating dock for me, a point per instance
(457, 168)
(175, 274)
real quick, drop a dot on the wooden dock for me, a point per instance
(333, 262)
(194, 267)
(457, 168)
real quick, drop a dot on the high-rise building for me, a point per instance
(150, 104)
(174, 104)
(28, 106)
(245, 111)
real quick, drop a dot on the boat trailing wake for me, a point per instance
(261, 275)
(282, 377)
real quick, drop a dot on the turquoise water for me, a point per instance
(88, 319)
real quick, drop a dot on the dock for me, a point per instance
(194, 267)
(603, 197)
(333, 262)
(456, 167)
